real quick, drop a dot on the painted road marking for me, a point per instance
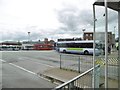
(22, 68)
(35, 61)
(111, 61)
(2, 60)
(26, 70)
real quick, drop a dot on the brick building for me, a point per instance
(88, 36)
(100, 36)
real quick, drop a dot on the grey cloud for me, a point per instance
(73, 20)
(112, 17)
(68, 18)
(86, 17)
(14, 36)
(21, 36)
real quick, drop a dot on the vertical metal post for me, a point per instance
(97, 76)
(79, 64)
(83, 33)
(1, 72)
(119, 49)
(60, 61)
(71, 86)
(28, 36)
(94, 19)
(114, 29)
(106, 45)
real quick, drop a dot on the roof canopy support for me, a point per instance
(115, 5)
(94, 19)
(106, 45)
(119, 49)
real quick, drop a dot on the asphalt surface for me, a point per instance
(38, 62)
(19, 71)
(13, 77)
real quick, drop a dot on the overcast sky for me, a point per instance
(51, 19)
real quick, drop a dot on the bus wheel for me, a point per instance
(86, 52)
(64, 51)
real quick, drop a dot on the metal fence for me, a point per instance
(82, 63)
(112, 66)
(75, 62)
(84, 80)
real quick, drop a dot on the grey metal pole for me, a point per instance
(114, 29)
(106, 45)
(119, 49)
(60, 61)
(94, 19)
(28, 36)
(79, 64)
(83, 33)
(1, 72)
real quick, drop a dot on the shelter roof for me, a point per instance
(113, 4)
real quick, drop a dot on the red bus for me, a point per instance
(43, 47)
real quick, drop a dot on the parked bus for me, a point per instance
(81, 47)
(27, 47)
(9, 48)
(43, 47)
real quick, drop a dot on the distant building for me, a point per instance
(10, 45)
(46, 41)
(100, 36)
(38, 45)
(28, 45)
(88, 36)
(69, 39)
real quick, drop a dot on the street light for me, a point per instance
(83, 33)
(28, 36)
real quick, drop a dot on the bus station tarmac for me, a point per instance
(63, 75)
(46, 64)
(60, 76)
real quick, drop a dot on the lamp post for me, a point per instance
(28, 36)
(83, 33)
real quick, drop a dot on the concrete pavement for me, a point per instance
(62, 75)
(33, 63)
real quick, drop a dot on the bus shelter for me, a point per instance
(115, 5)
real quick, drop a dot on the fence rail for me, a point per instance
(81, 81)
(83, 63)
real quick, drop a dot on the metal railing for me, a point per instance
(83, 63)
(75, 62)
(83, 80)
